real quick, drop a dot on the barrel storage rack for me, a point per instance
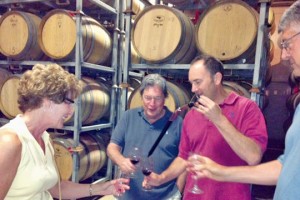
(254, 72)
(123, 70)
(77, 64)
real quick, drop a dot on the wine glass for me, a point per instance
(147, 168)
(134, 156)
(121, 174)
(193, 100)
(195, 189)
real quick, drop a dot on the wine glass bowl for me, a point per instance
(193, 100)
(120, 174)
(195, 188)
(146, 171)
(134, 157)
(147, 168)
(134, 160)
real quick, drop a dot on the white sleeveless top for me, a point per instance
(36, 173)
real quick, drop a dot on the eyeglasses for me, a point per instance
(156, 98)
(285, 44)
(68, 101)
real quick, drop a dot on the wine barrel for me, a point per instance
(137, 6)
(95, 101)
(163, 34)
(91, 151)
(9, 97)
(243, 88)
(178, 96)
(235, 87)
(227, 30)
(57, 37)
(271, 51)
(133, 85)
(271, 21)
(4, 75)
(135, 58)
(19, 35)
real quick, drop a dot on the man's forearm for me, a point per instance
(176, 168)
(263, 174)
(113, 152)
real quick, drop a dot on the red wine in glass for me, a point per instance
(134, 160)
(134, 157)
(146, 172)
(147, 168)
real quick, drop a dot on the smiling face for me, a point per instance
(59, 112)
(203, 83)
(153, 102)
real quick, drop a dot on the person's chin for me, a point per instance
(151, 114)
(59, 125)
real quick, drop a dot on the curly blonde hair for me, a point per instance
(46, 81)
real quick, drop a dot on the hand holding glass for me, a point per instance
(195, 189)
(120, 176)
(147, 168)
(134, 156)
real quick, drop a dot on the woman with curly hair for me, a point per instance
(28, 169)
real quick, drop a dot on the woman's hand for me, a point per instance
(116, 187)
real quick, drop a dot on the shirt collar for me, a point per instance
(230, 99)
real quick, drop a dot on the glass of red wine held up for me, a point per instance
(134, 156)
(147, 169)
(193, 100)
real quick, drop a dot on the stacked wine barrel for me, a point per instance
(226, 30)
(91, 150)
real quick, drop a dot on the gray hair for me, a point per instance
(154, 80)
(290, 17)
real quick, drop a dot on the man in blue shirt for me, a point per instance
(140, 127)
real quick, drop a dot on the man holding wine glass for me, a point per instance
(222, 125)
(138, 129)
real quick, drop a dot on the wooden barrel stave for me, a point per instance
(91, 152)
(9, 97)
(151, 35)
(60, 44)
(235, 87)
(19, 35)
(95, 101)
(227, 30)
